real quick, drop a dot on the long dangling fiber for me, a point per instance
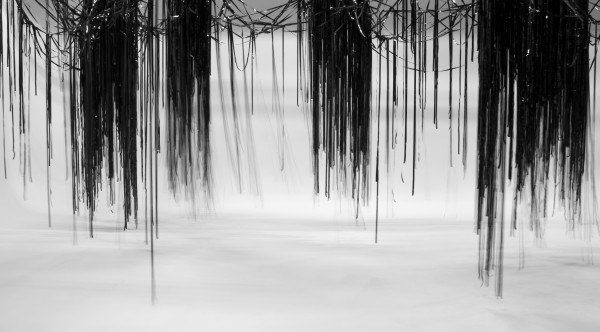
(533, 101)
(107, 58)
(188, 61)
(341, 55)
(2, 86)
(149, 124)
(48, 47)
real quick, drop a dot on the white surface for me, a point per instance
(268, 273)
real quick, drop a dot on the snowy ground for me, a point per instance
(232, 272)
